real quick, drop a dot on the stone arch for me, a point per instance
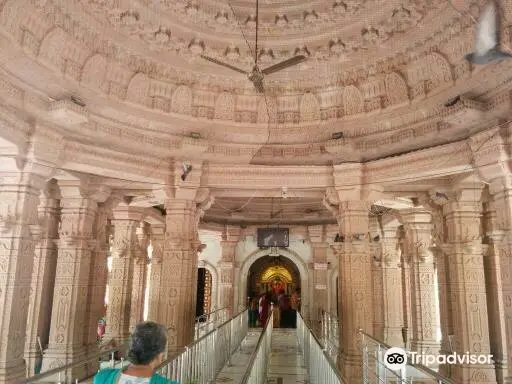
(353, 102)
(293, 256)
(215, 282)
(52, 49)
(94, 70)
(439, 70)
(263, 112)
(397, 91)
(12, 15)
(182, 100)
(225, 107)
(309, 108)
(138, 89)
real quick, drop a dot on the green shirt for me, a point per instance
(111, 375)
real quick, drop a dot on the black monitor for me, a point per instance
(273, 237)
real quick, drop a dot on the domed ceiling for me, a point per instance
(378, 74)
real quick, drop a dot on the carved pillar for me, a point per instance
(418, 232)
(68, 326)
(445, 309)
(356, 297)
(392, 306)
(19, 232)
(405, 264)
(228, 244)
(43, 277)
(157, 243)
(177, 301)
(467, 281)
(320, 280)
(377, 276)
(98, 277)
(498, 263)
(125, 249)
(140, 269)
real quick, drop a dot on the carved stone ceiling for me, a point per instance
(268, 210)
(379, 71)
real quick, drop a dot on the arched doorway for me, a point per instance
(204, 291)
(273, 274)
(242, 292)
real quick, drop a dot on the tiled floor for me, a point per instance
(233, 373)
(286, 364)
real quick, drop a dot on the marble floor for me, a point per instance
(233, 373)
(286, 364)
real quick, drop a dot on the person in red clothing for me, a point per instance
(265, 309)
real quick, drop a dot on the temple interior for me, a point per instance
(178, 161)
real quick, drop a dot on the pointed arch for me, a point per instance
(138, 89)
(182, 100)
(353, 102)
(52, 48)
(309, 108)
(225, 107)
(94, 70)
(396, 89)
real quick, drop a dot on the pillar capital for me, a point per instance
(317, 234)
(231, 233)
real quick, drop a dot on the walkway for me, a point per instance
(233, 373)
(286, 363)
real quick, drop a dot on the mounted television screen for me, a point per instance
(273, 237)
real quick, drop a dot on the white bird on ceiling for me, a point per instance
(487, 40)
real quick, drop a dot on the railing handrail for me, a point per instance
(204, 315)
(176, 353)
(254, 354)
(419, 367)
(78, 363)
(329, 360)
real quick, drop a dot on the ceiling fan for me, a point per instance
(257, 74)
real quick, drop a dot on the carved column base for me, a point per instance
(429, 347)
(350, 367)
(33, 359)
(54, 358)
(393, 336)
(469, 374)
(12, 372)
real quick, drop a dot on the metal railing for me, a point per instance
(208, 321)
(321, 369)
(376, 372)
(83, 369)
(330, 334)
(256, 372)
(201, 361)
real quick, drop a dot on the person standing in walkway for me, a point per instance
(147, 346)
(295, 305)
(253, 311)
(284, 307)
(265, 309)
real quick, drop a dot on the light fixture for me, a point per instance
(284, 192)
(187, 168)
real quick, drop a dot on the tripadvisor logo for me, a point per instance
(396, 358)
(453, 358)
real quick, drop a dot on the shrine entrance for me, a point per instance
(273, 274)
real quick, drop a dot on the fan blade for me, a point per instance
(215, 61)
(284, 64)
(258, 84)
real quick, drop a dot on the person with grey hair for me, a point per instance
(147, 347)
